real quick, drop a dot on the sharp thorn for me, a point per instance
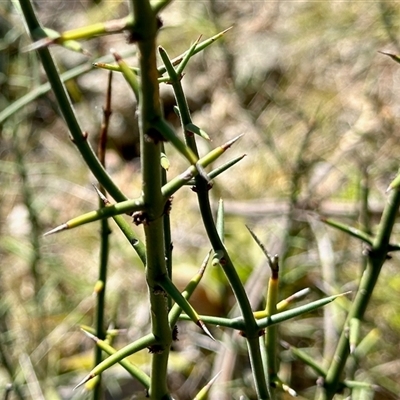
(90, 335)
(83, 381)
(301, 293)
(204, 263)
(211, 382)
(226, 30)
(101, 195)
(387, 54)
(203, 326)
(39, 44)
(220, 34)
(231, 142)
(58, 229)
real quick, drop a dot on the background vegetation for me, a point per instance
(319, 108)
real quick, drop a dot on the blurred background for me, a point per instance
(319, 109)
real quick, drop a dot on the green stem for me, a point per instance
(79, 138)
(377, 256)
(101, 297)
(98, 29)
(177, 296)
(357, 233)
(118, 356)
(149, 111)
(144, 342)
(176, 310)
(181, 102)
(239, 322)
(168, 246)
(135, 371)
(251, 330)
(175, 61)
(130, 206)
(126, 229)
(271, 340)
(104, 241)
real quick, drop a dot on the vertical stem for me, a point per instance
(252, 331)
(271, 339)
(104, 242)
(101, 299)
(149, 110)
(202, 188)
(377, 256)
(168, 245)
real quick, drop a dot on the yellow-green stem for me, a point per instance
(149, 110)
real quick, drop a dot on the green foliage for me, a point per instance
(305, 83)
